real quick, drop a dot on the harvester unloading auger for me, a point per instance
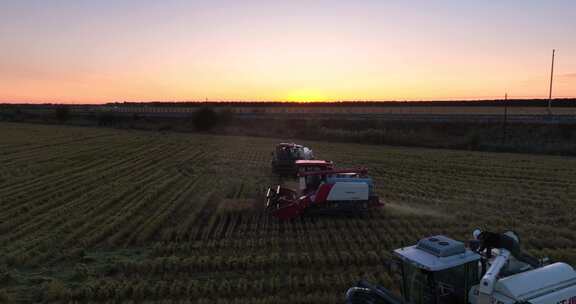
(323, 189)
(491, 270)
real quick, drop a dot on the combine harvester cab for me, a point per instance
(440, 270)
(323, 189)
(285, 156)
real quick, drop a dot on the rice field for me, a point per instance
(98, 215)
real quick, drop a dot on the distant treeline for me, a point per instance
(558, 102)
(550, 137)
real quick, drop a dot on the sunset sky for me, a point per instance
(142, 50)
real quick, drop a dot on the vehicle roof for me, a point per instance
(289, 145)
(530, 284)
(437, 253)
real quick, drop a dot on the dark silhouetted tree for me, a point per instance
(107, 119)
(204, 119)
(62, 113)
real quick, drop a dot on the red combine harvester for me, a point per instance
(323, 189)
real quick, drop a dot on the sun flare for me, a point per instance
(305, 96)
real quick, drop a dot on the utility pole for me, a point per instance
(551, 79)
(505, 126)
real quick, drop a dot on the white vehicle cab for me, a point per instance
(492, 270)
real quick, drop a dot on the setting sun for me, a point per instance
(306, 95)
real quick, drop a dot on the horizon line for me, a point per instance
(3, 102)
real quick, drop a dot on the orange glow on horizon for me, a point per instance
(283, 51)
